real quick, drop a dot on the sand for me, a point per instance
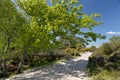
(73, 69)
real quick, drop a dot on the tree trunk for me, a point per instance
(21, 61)
(75, 54)
(4, 66)
(20, 65)
(7, 51)
(8, 45)
(0, 64)
(0, 67)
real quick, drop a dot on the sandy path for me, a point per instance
(70, 70)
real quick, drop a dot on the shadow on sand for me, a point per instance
(57, 71)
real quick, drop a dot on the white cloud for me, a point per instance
(112, 32)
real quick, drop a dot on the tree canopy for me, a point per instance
(61, 19)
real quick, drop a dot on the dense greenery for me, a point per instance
(105, 61)
(29, 28)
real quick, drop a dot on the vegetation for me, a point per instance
(105, 61)
(32, 32)
(106, 75)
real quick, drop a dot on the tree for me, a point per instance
(61, 19)
(10, 22)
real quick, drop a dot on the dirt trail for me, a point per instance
(73, 69)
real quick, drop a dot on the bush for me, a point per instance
(85, 49)
(106, 57)
(106, 75)
(115, 43)
(115, 57)
(72, 52)
(106, 48)
(92, 48)
(110, 66)
(69, 51)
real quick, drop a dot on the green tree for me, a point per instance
(10, 22)
(61, 19)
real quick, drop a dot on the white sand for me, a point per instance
(70, 70)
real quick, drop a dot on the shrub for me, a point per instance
(106, 75)
(97, 53)
(115, 57)
(72, 52)
(85, 49)
(115, 43)
(106, 57)
(106, 48)
(92, 48)
(69, 51)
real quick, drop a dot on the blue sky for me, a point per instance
(110, 11)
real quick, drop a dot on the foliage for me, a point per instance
(115, 42)
(11, 22)
(85, 49)
(107, 58)
(92, 48)
(106, 75)
(69, 51)
(62, 19)
(106, 48)
(9, 19)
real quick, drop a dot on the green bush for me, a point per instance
(105, 58)
(72, 52)
(106, 75)
(106, 48)
(69, 51)
(92, 48)
(85, 49)
(115, 43)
